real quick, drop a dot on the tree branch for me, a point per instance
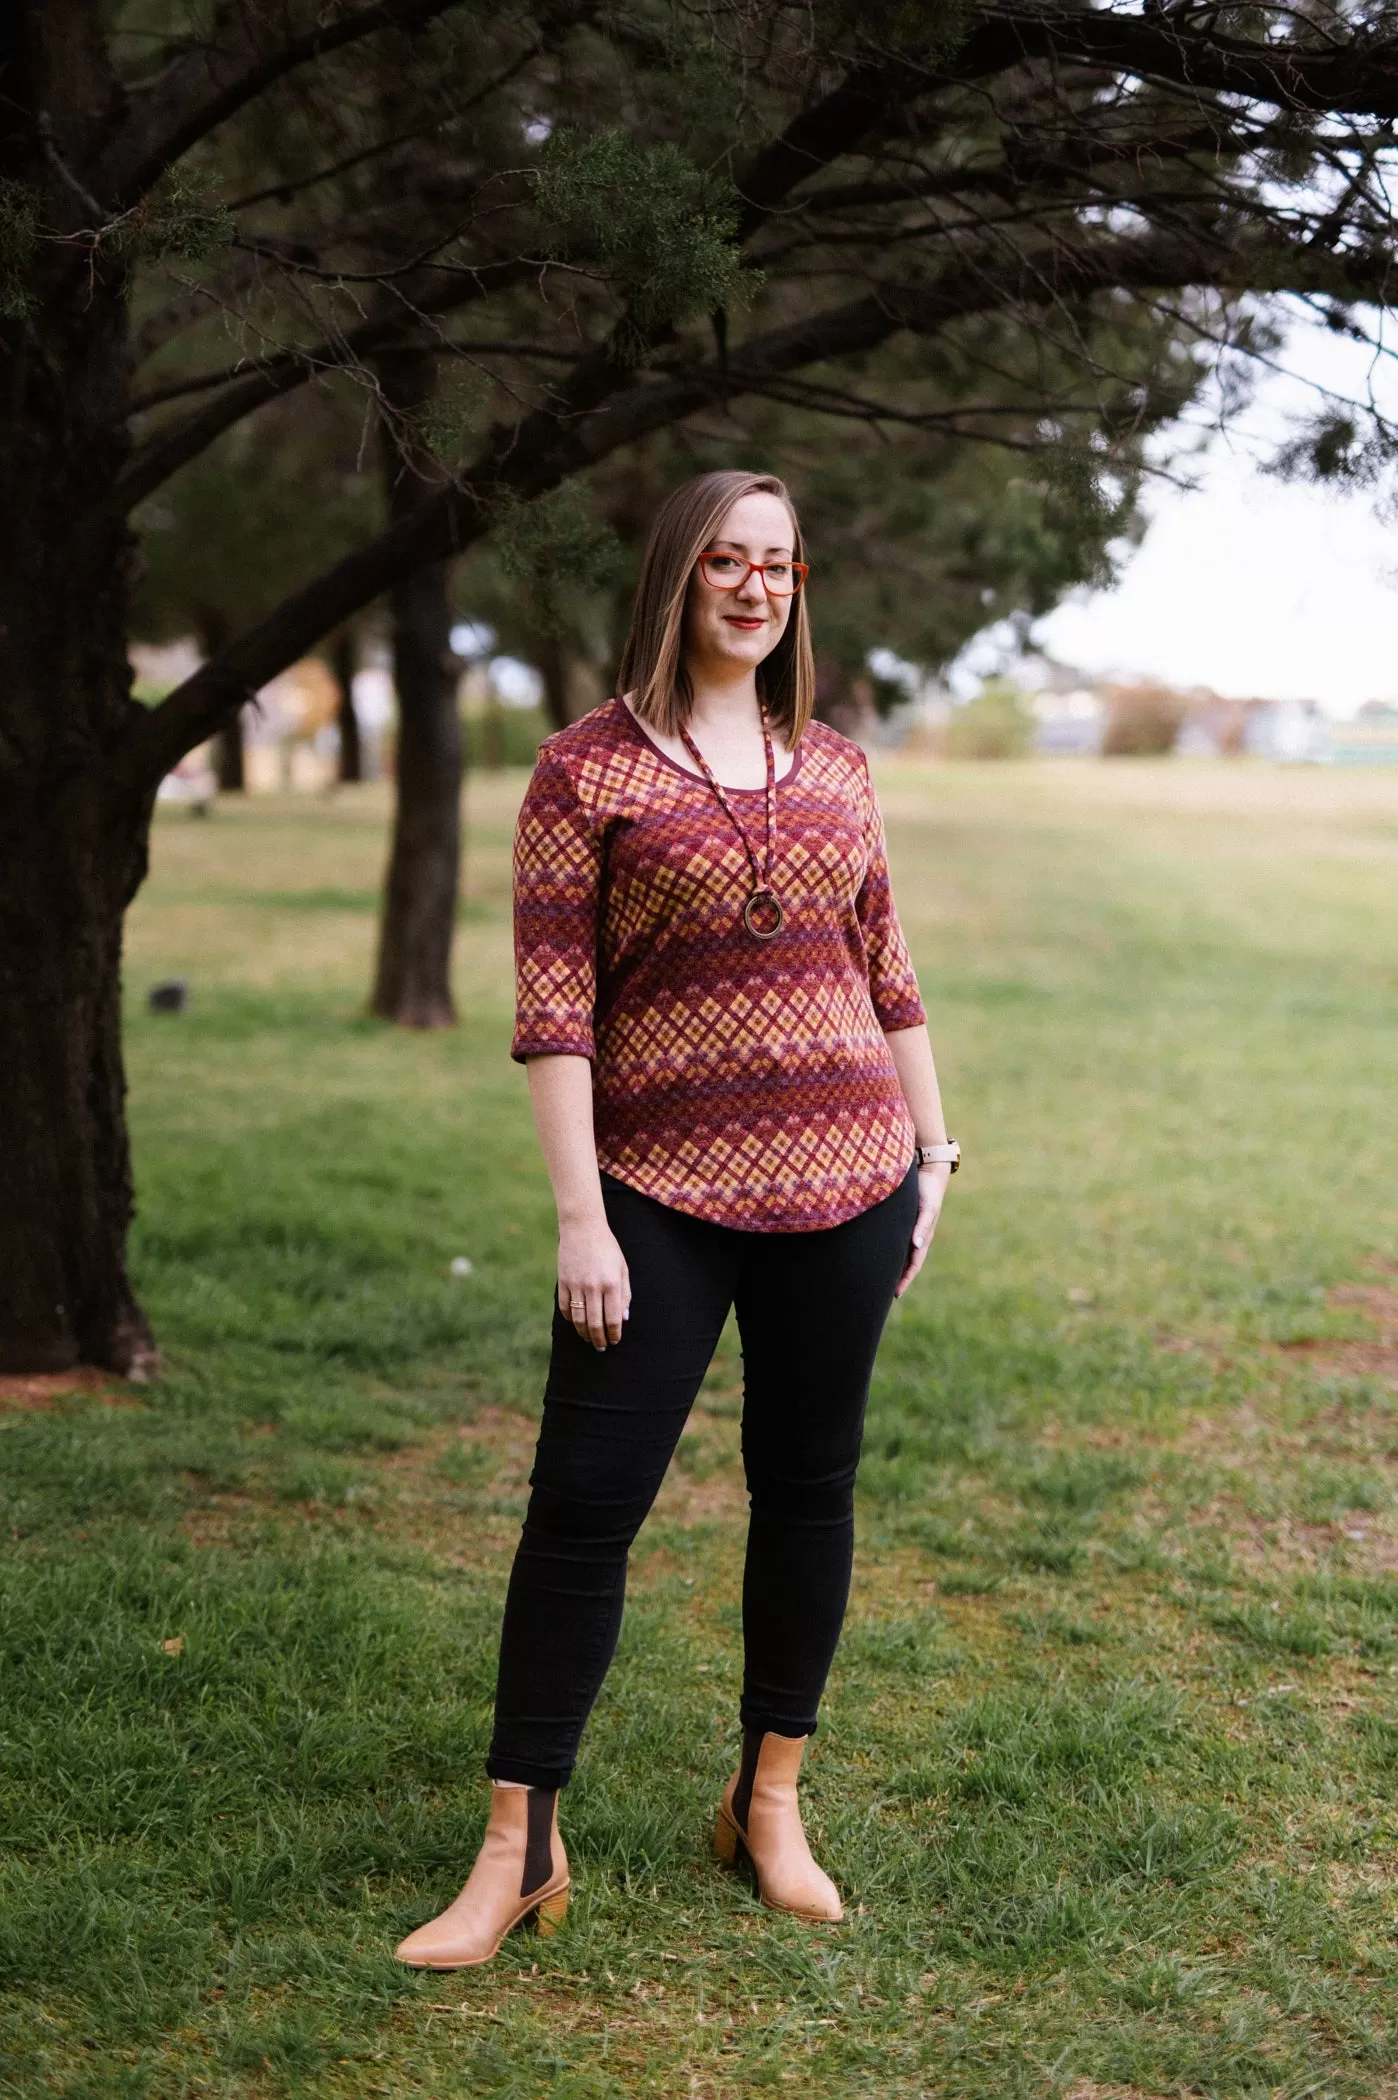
(193, 302)
(179, 442)
(283, 192)
(1358, 77)
(550, 445)
(832, 127)
(209, 84)
(836, 125)
(212, 82)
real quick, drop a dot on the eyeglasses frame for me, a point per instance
(799, 569)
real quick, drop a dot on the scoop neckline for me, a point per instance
(688, 772)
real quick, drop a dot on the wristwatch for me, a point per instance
(947, 1155)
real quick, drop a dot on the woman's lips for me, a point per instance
(749, 622)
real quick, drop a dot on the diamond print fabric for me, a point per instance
(743, 1081)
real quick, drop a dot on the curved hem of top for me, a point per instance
(688, 772)
(794, 1228)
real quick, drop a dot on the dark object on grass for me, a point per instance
(170, 996)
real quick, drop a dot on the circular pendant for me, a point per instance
(763, 915)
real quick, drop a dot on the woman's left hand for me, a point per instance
(931, 1188)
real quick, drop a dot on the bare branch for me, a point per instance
(193, 302)
(283, 192)
(245, 55)
(268, 378)
(206, 85)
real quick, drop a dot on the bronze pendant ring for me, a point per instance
(766, 901)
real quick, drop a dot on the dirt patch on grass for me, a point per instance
(1378, 1360)
(1376, 1299)
(41, 1390)
(1370, 1877)
(1285, 1544)
(1088, 2089)
(1231, 1436)
(1374, 1356)
(218, 1521)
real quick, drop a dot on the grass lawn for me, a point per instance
(1107, 1773)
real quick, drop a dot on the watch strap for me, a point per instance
(947, 1155)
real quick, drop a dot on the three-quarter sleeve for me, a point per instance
(892, 982)
(558, 871)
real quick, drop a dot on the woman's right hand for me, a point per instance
(594, 1288)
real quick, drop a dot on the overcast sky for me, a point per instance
(1251, 585)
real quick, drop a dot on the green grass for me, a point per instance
(1107, 1772)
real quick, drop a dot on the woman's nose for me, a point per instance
(750, 590)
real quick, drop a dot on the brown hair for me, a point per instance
(652, 663)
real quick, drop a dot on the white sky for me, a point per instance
(1250, 585)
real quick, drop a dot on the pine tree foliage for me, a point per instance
(660, 227)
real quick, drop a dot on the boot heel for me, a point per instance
(551, 1913)
(725, 1842)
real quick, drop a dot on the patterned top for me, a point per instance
(743, 1081)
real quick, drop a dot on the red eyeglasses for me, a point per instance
(729, 572)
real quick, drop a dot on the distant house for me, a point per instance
(1371, 739)
(1069, 724)
(1296, 732)
(1213, 727)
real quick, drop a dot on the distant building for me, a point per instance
(1294, 732)
(1069, 724)
(1371, 739)
(1213, 727)
(1070, 713)
(1077, 715)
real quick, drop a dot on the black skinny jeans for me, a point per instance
(811, 1307)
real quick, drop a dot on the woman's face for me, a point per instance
(731, 631)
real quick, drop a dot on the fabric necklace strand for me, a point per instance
(762, 890)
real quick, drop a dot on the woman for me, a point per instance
(734, 1091)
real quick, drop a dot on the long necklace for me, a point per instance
(762, 914)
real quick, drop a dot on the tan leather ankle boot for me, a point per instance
(521, 1871)
(766, 1827)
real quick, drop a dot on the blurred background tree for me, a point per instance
(997, 723)
(268, 500)
(1144, 719)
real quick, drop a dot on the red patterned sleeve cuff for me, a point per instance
(535, 1041)
(906, 1011)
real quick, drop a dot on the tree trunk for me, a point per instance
(214, 628)
(344, 661)
(74, 812)
(67, 870)
(229, 768)
(572, 684)
(413, 980)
